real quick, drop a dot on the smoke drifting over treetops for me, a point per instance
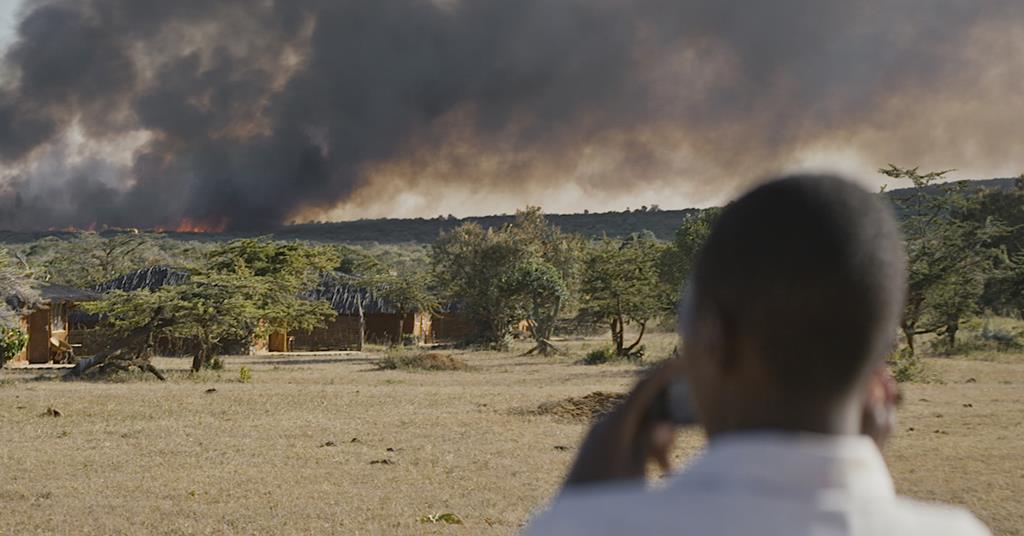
(251, 113)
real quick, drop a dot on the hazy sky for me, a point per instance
(249, 114)
(7, 9)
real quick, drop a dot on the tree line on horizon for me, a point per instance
(965, 256)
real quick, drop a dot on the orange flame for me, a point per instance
(188, 225)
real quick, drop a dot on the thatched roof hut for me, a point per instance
(150, 278)
(43, 315)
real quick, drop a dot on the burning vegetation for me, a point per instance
(205, 116)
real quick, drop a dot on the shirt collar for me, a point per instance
(792, 464)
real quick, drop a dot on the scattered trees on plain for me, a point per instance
(622, 286)
(949, 254)
(965, 254)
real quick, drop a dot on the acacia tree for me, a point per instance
(948, 253)
(1004, 287)
(622, 286)
(89, 259)
(246, 288)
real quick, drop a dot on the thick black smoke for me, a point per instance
(255, 112)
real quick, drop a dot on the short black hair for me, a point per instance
(811, 271)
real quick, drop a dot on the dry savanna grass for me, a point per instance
(334, 444)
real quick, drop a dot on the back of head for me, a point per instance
(806, 274)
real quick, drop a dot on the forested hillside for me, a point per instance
(662, 223)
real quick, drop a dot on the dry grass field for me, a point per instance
(331, 444)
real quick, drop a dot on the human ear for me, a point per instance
(881, 398)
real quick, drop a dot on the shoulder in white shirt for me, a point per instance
(764, 484)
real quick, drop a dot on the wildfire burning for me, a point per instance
(188, 225)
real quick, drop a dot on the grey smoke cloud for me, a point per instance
(261, 112)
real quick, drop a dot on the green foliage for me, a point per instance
(247, 288)
(12, 341)
(524, 271)
(906, 366)
(88, 259)
(244, 375)
(950, 254)
(599, 356)
(622, 286)
(407, 293)
(678, 259)
(13, 283)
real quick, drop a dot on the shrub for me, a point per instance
(602, 355)
(244, 375)
(421, 361)
(12, 341)
(906, 366)
(214, 363)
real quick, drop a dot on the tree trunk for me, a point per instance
(908, 336)
(632, 347)
(617, 334)
(198, 359)
(952, 326)
(400, 336)
(362, 324)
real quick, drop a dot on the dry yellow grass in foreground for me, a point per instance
(294, 450)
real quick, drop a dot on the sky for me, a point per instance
(250, 114)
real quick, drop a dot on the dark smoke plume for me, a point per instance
(251, 113)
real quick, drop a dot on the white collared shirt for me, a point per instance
(763, 484)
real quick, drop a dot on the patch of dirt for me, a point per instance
(581, 409)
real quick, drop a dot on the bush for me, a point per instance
(992, 334)
(12, 341)
(602, 355)
(906, 366)
(421, 361)
(244, 375)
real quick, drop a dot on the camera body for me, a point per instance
(674, 404)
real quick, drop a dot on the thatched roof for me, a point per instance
(345, 299)
(49, 293)
(151, 278)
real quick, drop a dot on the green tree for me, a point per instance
(622, 286)
(949, 254)
(15, 288)
(478, 269)
(407, 293)
(1004, 287)
(678, 259)
(527, 270)
(549, 278)
(246, 288)
(89, 259)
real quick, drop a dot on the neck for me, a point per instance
(843, 419)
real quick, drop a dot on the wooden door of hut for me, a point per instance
(39, 336)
